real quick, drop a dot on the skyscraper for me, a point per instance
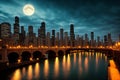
(72, 35)
(105, 41)
(86, 40)
(98, 41)
(77, 41)
(30, 35)
(57, 42)
(66, 38)
(43, 34)
(61, 36)
(81, 41)
(16, 31)
(53, 38)
(48, 41)
(5, 30)
(22, 36)
(92, 39)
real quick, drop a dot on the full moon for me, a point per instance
(28, 9)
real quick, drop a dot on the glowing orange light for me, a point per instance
(46, 67)
(37, 58)
(37, 70)
(31, 59)
(56, 66)
(30, 69)
(113, 71)
(19, 60)
(16, 75)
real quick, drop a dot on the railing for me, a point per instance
(114, 47)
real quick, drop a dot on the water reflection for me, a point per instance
(96, 60)
(46, 68)
(80, 63)
(23, 71)
(68, 63)
(30, 72)
(75, 65)
(74, 59)
(106, 58)
(56, 67)
(89, 55)
(92, 53)
(37, 70)
(86, 54)
(86, 64)
(64, 64)
(16, 75)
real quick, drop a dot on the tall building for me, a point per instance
(5, 30)
(61, 37)
(86, 42)
(98, 41)
(39, 38)
(66, 39)
(105, 40)
(30, 35)
(23, 31)
(77, 42)
(53, 38)
(92, 39)
(72, 35)
(57, 42)
(48, 41)
(42, 34)
(81, 42)
(22, 36)
(35, 43)
(16, 31)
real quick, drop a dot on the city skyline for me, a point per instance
(54, 38)
(59, 39)
(101, 17)
(37, 34)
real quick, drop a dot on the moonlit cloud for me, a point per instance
(100, 16)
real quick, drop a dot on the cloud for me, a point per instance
(99, 16)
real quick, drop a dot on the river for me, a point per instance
(75, 66)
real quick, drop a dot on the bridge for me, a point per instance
(29, 53)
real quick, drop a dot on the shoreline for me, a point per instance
(12, 66)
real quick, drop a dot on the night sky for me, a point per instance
(99, 16)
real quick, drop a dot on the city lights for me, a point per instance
(60, 39)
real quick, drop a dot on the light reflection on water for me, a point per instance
(16, 75)
(72, 66)
(56, 67)
(30, 72)
(37, 70)
(46, 68)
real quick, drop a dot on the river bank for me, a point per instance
(4, 67)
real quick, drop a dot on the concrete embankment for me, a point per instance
(113, 72)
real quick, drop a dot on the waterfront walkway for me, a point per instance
(113, 72)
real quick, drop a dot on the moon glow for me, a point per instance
(28, 9)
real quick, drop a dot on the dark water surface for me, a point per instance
(76, 66)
